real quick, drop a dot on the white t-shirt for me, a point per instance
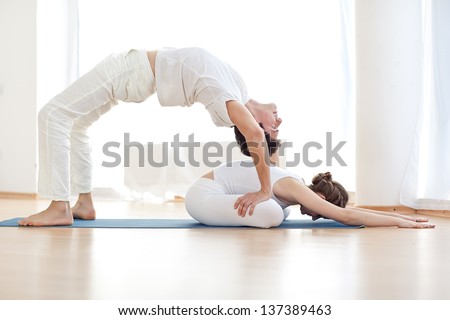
(241, 177)
(188, 75)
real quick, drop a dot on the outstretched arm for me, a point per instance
(292, 191)
(254, 135)
(393, 214)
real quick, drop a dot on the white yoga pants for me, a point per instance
(65, 165)
(207, 202)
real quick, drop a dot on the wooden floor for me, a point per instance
(370, 263)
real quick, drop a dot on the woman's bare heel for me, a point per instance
(84, 208)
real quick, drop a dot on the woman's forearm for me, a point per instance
(361, 217)
(261, 159)
(392, 214)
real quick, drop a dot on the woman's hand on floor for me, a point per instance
(412, 224)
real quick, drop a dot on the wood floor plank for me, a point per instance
(370, 263)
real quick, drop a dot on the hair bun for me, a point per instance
(327, 176)
(322, 176)
(333, 191)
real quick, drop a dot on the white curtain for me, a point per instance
(298, 54)
(57, 47)
(427, 181)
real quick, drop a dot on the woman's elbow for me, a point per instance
(350, 218)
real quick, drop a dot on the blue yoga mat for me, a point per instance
(180, 224)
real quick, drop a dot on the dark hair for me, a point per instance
(333, 191)
(242, 143)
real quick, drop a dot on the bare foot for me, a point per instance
(84, 208)
(57, 214)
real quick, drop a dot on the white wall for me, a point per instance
(388, 86)
(387, 79)
(18, 138)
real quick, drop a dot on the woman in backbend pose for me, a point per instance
(211, 200)
(180, 77)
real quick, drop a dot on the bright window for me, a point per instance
(298, 54)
